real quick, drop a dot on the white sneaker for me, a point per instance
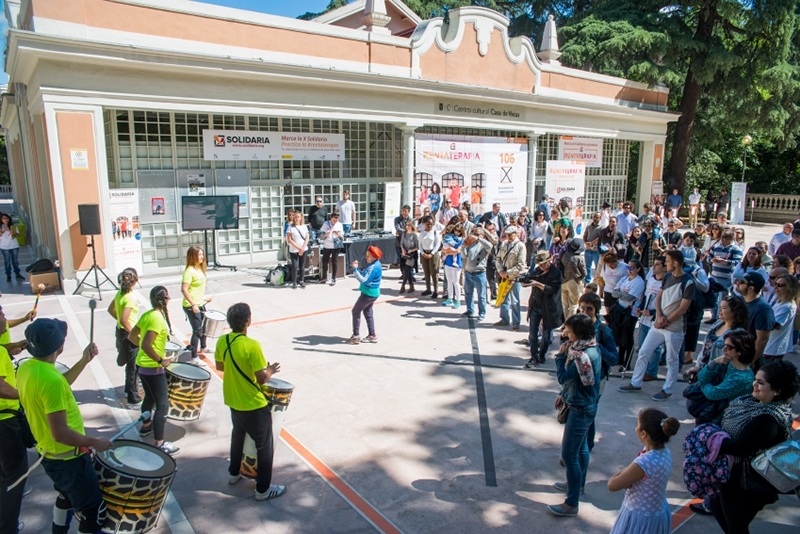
(233, 479)
(273, 492)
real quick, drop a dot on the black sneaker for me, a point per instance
(146, 430)
(699, 508)
(435, 295)
(20, 277)
(8, 278)
(426, 293)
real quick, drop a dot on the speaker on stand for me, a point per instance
(89, 219)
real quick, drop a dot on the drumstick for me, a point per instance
(92, 306)
(144, 417)
(40, 287)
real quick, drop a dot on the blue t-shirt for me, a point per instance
(453, 260)
(761, 316)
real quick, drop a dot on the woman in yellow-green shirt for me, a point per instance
(193, 287)
(125, 309)
(151, 334)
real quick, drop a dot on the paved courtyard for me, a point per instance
(436, 428)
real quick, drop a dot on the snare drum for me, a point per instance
(134, 480)
(279, 393)
(171, 350)
(62, 368)
(213, 323)
(187, 385)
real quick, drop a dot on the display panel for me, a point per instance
(210, 213)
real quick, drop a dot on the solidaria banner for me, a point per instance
(585, 149)
(223, 145)
(480, 170)
(566, 180)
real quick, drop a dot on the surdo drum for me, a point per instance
(187, 386)
(213, 323)
(171, 350)
(279, 393)
(134, 479)
(62, 368)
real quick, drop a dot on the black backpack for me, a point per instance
(41, 266)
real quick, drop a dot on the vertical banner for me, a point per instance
(123, 206)
(391, 208)
(566, 180)
(478, 170)
(738, 199)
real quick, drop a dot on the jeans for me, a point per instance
(155, 395)
(655, 337)
(126, 352)
(511, 303)
(298, 268)
(592, 258)
(347, 228)
(76, 482)
(575, 449)
(313, 234)
(538, 352)
(10, 257)
(473, 281)
(332, 255)
(196, 322)
(408, 270)
(364, 304)
(655, 359)
(13, 464)
(258, 424)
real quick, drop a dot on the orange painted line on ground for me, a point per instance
(356, 501)
(683, 514)
(292, 317)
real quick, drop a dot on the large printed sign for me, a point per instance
(478, 170)
(123, 206)
(566, 180)
(587, 150)
(738, 199)
(223, 145)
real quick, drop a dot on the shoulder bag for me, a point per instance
(779, 466)
(25, 428)
(236, 365)
(701, 407)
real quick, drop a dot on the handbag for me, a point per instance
(25, 428)
(701, 407)
(563, 413)
(779, 466)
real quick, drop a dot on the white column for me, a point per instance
(533, 150)
(651, 167)
(408, 164)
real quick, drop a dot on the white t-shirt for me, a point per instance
(446, 215)
(299, 234)
(346, 209)
(781, 339)
(7, 242)
(611, 277)
(431, 240)
(694, 199)
(633, 287)
(338, 231)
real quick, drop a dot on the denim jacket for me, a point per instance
(574, 392)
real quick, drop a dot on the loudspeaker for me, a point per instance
(89, 218)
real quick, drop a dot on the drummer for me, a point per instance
(193, 288)
(246, 368)
(13, 453)
(5, 337)
(125, 309)
(57, 425)
(150, 335)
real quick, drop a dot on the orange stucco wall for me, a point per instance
(466, 66)
(75, 130)
(138, 19)
(595, 88)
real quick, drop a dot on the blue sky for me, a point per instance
(285, 8)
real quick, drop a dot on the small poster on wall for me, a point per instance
(157, 206)
(197, 185)
(123, 207)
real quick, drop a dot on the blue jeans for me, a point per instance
(512, 302)
(10, 258)
(473, 281)
(347, 228)
(592, 258)
(655, 359)
(575, 449)
(537, 352)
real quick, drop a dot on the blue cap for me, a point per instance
(45, 336)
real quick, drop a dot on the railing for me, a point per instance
(5, 191)
(773, 208)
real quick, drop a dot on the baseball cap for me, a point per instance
(752, 278)
(45, 336)
(511, 230)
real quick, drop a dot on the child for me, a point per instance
(644, 509)
(688, 247)
(591, 287)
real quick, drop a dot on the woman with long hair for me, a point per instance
(559, 244)
(409, 246)
(451, 251)
(733, 317)
(9, 246)
(151, 334)
(632, 252)
(751, 262)
(785, 310)
(540, 233)
(628, 292)
(738, 237)
(125, 310)
(193, 288)
(297, 238)
(435, 197)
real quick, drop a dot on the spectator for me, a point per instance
(632, 252)
(477, 247)
(688, 248)
(609, 275)
(297, 238)
(544, 207)
(647, 312)
(647, 213)
(347, 212)
(540, 233)
(651, 245)
(430, 240)
(738, 237)
(510, 264)
(317, 215)
(544, 306)
(332, 238)
(694, 207)
(700, 235)
(626, 221)
(591, 239)
(622, 319)
(447, 211)
(573, 270)
(751, 263)
(672, 236)
(761, 317)
(674, 201)
(766, 259)
(496, 217)
(559, 244)
(724, 256)
(400, 229)
(611, 239)
(9, 246)
(409, 252)
(784, 310)
(790, 248)
(605, 214)
(452, 243)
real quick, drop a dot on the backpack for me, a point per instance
(701, 477)
(695, 312)
(41, 266)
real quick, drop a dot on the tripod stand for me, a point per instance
(96, 270)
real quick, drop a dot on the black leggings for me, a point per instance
(126, 355)
(331, 254)
(298, 268)
(196, 322)
(734, 509)
(155, 395)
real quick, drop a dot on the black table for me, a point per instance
(356, 251)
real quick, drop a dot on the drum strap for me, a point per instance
(229, 350)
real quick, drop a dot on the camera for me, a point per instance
(525, 278)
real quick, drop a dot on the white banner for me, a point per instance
(391, 205)
(566, 180)
(479, 170)
(223, 145)
(585, 149)
(738, 199)
(123, 205)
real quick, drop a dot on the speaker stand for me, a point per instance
(97, 272)
(217, 265)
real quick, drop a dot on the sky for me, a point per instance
(284, 8)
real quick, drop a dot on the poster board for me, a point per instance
(738, 200)
(123, 209)
(586, 149)
(234, 182)
(157, 200)
(567, 180)
(195, 182)
(391, 205)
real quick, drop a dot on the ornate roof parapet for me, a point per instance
(549, 51)
(375, 17)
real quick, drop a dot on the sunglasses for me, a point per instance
(728, 347)
(778, 285)
(318, 202)
(631, 268)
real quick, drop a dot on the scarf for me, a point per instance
(577, 353)
(746, 408)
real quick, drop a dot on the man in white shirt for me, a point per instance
(780, 238)
(626, 221)
(347, 212)
(694, 207)
(447, 211)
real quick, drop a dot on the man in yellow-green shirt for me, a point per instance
(242, 360)
(57, 425)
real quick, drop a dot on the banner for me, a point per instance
(738, 200)
(585, 149)
(391, 205)
(123, 205)
(566, 180)
(478, 170)
(259, 146)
